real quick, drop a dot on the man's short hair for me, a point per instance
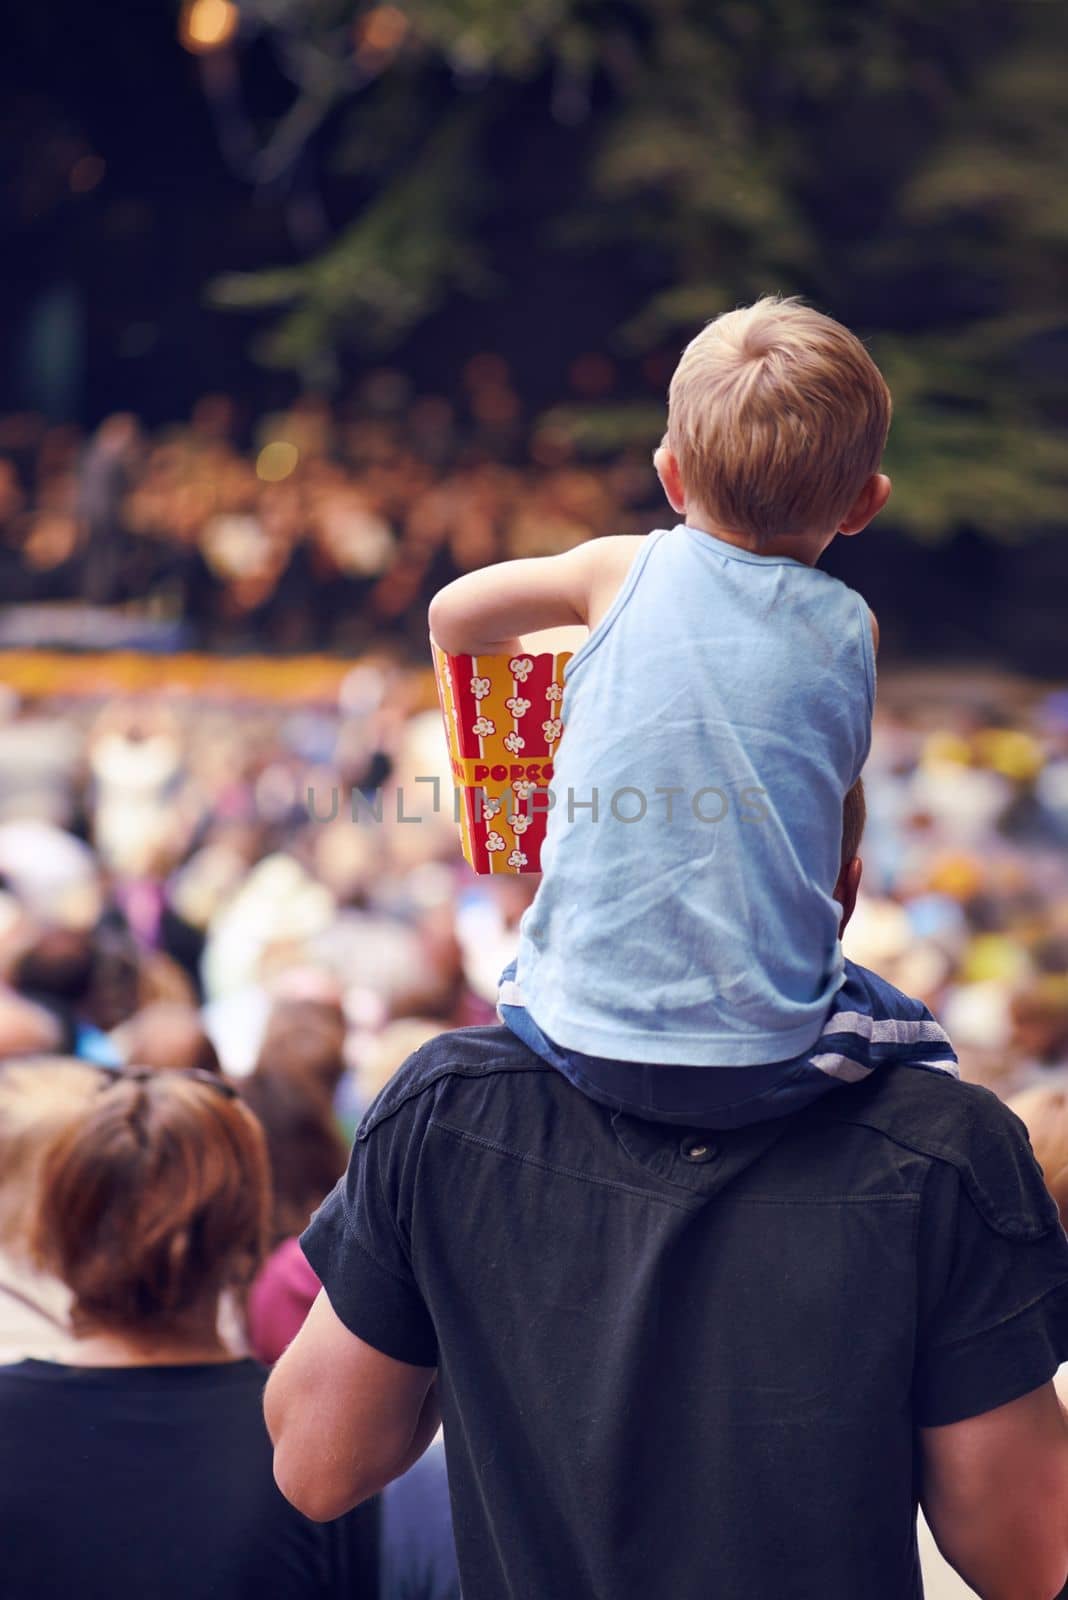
(777, 417)
(854, 816)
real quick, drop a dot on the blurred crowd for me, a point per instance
(964, 900)
(270, 899)
(278, 893)
(223, 858)
(312, 529)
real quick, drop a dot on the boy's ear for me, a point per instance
(869, 502)
(667, 470)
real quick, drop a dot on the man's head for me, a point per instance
(777, 422)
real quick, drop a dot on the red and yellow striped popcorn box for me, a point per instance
(502, 722)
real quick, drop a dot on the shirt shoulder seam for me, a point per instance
(449, 1069)
(566, 1172)
(898, 1197)
(358, 1242)
(992, 1327)
(1015, 1225)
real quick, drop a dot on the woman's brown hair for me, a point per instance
(291, 1092)
(158, 1199)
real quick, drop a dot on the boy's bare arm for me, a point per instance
(486, 612)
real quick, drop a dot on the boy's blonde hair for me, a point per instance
(777, 416)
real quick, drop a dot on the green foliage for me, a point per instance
(486, 35)
(385, 272)
(901, 165)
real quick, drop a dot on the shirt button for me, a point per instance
(698, 1150)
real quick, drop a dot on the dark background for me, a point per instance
(605, 184)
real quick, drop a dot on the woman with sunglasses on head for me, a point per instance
(140, 1464)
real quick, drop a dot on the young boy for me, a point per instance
(681, 959)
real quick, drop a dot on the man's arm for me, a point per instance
(485, 612)
(994, 1490)
(344, 1419)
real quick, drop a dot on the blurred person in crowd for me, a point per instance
(742, 1358)
(351, 546)
(279, 1300)
(138, 765)
(291, 1090)
(386, 1052)
(139, 1465)
(13, 573)
(124, 975)
(104, 479)
(166, 1037)
(12, 498)
(39, 1099)
(337, 536)
(418, 1547)
(1043, 1109)
(53, 875)
(91, 980)
(40, 752)
(26, 1028)
(211, 423)
(56, 972)
(1040, 1021)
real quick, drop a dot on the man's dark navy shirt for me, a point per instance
(683, 1365)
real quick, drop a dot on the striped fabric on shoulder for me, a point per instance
(874, 1025)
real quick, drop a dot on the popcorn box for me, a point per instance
(502, 722)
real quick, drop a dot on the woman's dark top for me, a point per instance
(156, 1481)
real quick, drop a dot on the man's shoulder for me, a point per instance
(456, 1053)
(965, 1126)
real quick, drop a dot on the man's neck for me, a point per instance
(195, 1344)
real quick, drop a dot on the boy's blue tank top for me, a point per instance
(717, 716)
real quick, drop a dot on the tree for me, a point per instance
(901, 166)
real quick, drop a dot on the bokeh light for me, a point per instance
(207, 25)
(379, 34)
(87, 173)
(277, 461)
